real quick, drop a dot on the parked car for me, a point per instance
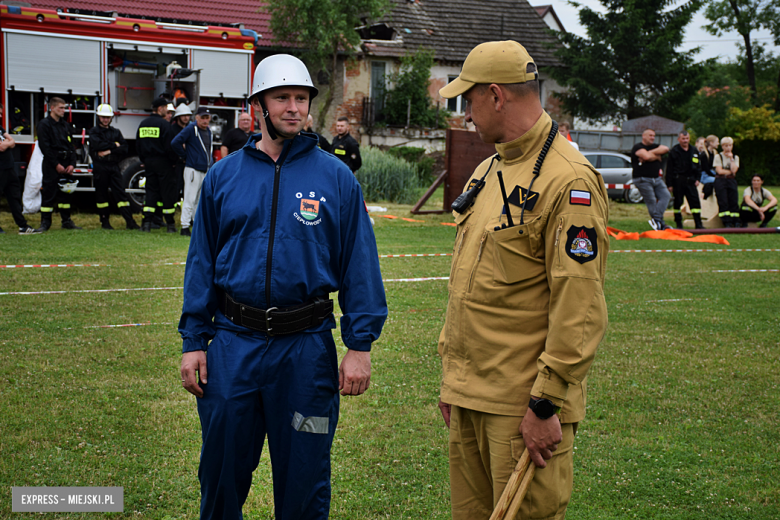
(615, 168)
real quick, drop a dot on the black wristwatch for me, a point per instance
(543, 408)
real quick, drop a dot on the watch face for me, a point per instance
(543, 408)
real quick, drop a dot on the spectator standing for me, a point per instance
(193, 144)
(753, 199)
(345, 147)
(647, 173)
(682, 176)
(108, 147)
(564, 130)
(707, 158)
(9, 182)
(59, 161)
(323, 143)
(236, 138)
(726, 189)
(181, 119)
(153, 144)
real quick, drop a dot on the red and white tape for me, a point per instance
(618, 186)
(16, 266)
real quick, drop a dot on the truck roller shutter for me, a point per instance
(225, 72)
(53, 63)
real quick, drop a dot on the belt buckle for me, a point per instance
(268, 318)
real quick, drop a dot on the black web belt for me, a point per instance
(276, 321)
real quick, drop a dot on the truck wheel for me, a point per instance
(134, 179)
(632, 195)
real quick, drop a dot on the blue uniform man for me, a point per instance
(280, 225)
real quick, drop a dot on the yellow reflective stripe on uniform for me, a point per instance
(149, 209)
(160, 204)
(724, 213)
(149, 131)
(46, 209)
(63, 206)
(339, 151)
(696, 210)
(746, 208)
(102, 204)
(734, 214)
(695, 159)
(676, 210)
(169, 211)
(122, 204)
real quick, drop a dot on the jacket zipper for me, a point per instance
(272, 232)
(558, 233)
(476, 264)
(456, 254)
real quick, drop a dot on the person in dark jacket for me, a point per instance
(107, 147)
(193, 144)
(59, 161)
(181, 119)
(683, 171)
(153, 144)
(9, 182)
(236, 138)
(322, 142)
(345, 147)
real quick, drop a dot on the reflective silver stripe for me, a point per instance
(310, 424)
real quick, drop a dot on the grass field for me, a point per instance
(682, 412)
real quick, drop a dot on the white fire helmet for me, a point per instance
(171, 108)
(280, 70)
(68, 185)
(105, 110)
(182, 110)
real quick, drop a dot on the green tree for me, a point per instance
(410, 96)
(629, 65)
(320, 30)
(744, 17)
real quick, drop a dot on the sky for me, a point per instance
(724, 48)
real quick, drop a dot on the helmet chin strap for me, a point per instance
(268, 124)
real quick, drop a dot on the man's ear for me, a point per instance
(498, 96)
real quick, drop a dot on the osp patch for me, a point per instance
(310, 209)
(582, 244)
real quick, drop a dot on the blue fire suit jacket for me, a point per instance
(278, 234)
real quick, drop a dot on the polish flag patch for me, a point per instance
(581, 198)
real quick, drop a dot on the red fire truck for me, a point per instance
(94, 58)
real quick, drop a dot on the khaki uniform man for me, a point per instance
(526, 307)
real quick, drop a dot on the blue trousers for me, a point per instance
(285, 387)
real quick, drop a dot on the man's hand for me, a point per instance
(762, 214)
(355, 372)
(69, 170)
(60, 169)
(446, 411)
(104, 153)
(193, 364)
(541, 437)
(696, 184)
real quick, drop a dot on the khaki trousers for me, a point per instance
(484, 450)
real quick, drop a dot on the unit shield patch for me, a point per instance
(582, 244)
(310, 209)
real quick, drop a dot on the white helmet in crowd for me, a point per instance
(105, 110)
(182, 110)
(280, 70)
(68, 185)
(171, 108)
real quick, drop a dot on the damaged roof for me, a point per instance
(453, 27)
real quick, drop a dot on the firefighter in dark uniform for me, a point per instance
(108, 147)
(153, 143)
(59, 161)
(683, 171)
(345, 147)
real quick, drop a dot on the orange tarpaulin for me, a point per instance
(669, 234)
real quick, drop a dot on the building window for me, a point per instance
(455, 105)
(378, 85)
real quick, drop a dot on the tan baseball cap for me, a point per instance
(492, 62)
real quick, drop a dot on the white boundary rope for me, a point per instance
(82, 291)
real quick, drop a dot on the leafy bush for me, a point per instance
(410, 84)
(416, 156)
(386, 177)
(756, 134)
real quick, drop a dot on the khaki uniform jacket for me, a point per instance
(526, 307)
